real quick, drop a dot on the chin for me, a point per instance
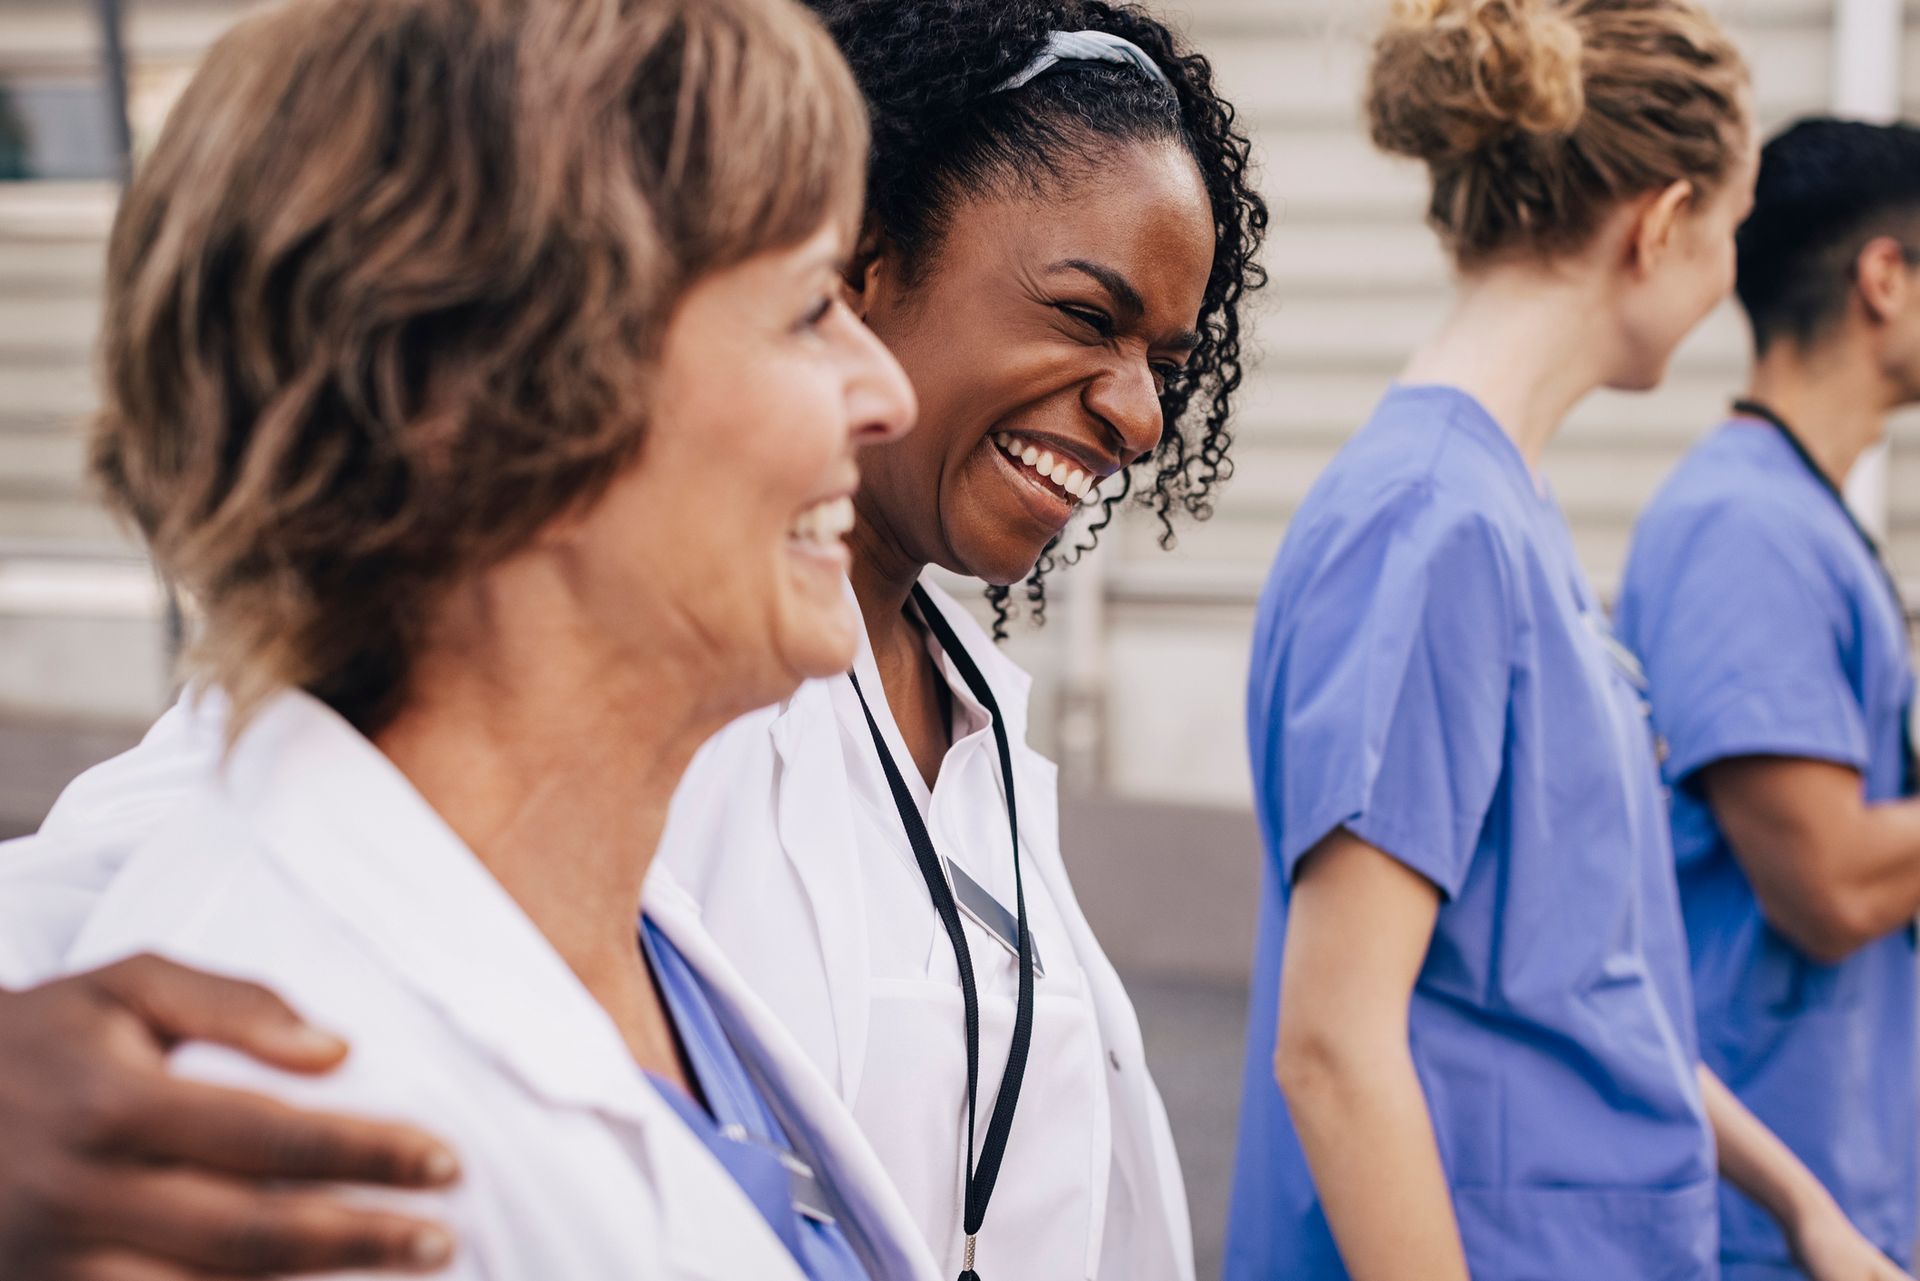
(821, 643)
(1646, 377)
(996, 563)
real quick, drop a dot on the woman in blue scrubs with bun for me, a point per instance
(1471, 1050)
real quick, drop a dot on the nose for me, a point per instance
(1126, 399)
(881, 405)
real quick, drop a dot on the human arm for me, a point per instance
(1825, 1245)
(1832, 872)
(1358, 927)
(115, 1170)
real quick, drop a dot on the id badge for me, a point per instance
(989, 913)
(808, 1197)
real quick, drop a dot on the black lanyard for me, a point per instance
(1910, 776)
(980, 1180)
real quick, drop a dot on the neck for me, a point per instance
(1834, 398)
(555, 763)
(883, 574)
(1526, 344)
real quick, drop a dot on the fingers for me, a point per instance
(180, 1004)
(224, 1227)
(118, 1265)
(249, 1134)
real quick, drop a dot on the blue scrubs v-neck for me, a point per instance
(741, 1132)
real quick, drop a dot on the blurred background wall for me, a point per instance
(1141, 663)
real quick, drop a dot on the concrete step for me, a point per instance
(82, 638)
(46, 394)
(47, 464)
(60, 519)
(36, 328)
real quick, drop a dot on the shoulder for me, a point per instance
(1403, 525)
(1722, 510)
(202, 890)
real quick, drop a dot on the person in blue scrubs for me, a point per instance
(1472, 1050)
(1776, 651)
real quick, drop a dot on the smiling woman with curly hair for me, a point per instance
(1060, 231)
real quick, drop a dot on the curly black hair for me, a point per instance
(941, 134)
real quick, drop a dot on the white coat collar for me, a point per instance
(344, 822)
(1011, 684)
(817, 835)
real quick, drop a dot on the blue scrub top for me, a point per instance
(1767, 629)
(1431, 671)
(741, 1132)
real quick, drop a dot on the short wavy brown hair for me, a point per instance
(385, 299)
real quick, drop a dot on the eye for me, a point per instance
(1092, 317)
(816, 313)
(1164, 372)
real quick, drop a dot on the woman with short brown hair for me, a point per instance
(482, 373)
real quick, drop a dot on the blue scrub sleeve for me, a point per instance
(1389, 701)
(1741, 639)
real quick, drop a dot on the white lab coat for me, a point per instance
(307, 862)
(787, 835)
(769, 840)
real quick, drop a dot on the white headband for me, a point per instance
(1086, 46)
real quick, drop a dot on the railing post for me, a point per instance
(1083, 674)
(1867, 51)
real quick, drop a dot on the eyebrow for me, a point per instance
(1125, 296)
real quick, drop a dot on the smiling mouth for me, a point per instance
(1040, 465)
(822, 526)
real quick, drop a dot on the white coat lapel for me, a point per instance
(1142, 1138)
(880, 1225)
(813, 823)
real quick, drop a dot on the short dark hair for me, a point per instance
(941, 134)
(1826, 188)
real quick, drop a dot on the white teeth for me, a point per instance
(1080, 484)
(825, 522)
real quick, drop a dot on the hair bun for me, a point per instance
(1451, 77)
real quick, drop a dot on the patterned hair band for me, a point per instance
(1085, 46)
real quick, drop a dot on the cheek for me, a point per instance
(778, 438)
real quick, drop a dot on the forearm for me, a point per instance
(1886, 880)
(1754, 1160)
(1832, 872)
(1363, 1123)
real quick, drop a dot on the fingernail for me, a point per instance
(440, 1166)
(430, 1248)
(311, 1040)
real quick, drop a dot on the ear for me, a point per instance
(1658, 223)
(870, 262)
(1882, 278)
